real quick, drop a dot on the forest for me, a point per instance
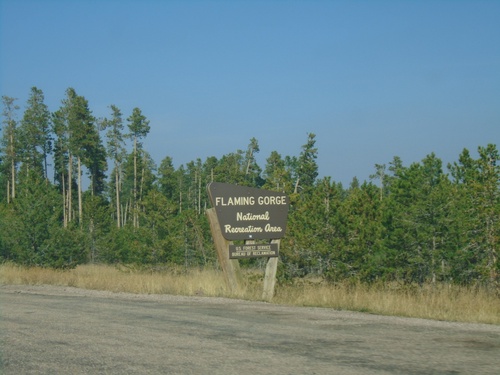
(76, 189)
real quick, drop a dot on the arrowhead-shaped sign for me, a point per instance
(246, 213)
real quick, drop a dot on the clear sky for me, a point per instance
(372, 79)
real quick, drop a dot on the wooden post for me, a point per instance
(270, 276)
(230, 267)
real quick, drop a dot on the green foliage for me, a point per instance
(307, 168)
(30, 230)
(64, 248)
(413, 224)
(34, 133)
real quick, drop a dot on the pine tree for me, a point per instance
(9, 143)
(477, 205)
(381, 176)
(35, 133)
(116, 150)
(62, 170)
(168, 179)
(231, 168)
(139, 128)
(307, 168)
(275, 174)
(252, 169)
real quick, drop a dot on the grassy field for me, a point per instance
(439, 302)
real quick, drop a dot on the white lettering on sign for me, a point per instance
(268, 228)
(240, 216)
(272, 200)
(250, 229)
(250, 201)
(234, 201)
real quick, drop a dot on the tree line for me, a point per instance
(412, 224)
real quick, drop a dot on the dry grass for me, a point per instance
(439, 302)
(119, 279)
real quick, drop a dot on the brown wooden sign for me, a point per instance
(247, 213)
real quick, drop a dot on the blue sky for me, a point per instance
(372, 79)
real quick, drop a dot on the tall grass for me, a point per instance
(439, 302)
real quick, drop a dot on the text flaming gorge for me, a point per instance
(250, 201)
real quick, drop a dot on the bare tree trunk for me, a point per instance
(124, 215)
(142, 180)
(45, 165)
(134, 204)
(180, 195)
(13, 167)
(140, 190)
(199, 194)
(433, 262)
(248, 163)
(80, 207)
(13, 188)
(296, 186)
(117, 188)
(91, 230)
(70, 179)
(65, 214)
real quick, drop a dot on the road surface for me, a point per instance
(60, 330)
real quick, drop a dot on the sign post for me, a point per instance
(230, 267)
(248, 214)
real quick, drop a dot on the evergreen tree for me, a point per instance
(418, 221)
(35, 133)
(139, 128)
(252, 169)
(231, 168)
(307, 168)
(34, 211)
(116, 151)
(362, 253)
(168, 179)
(208, 168)
(276, 175)
(63, 175)
(31, 229)
(9, 144)
(147, 178)
(477, 208)
(381, 176)
(85, 143)
(97, 222)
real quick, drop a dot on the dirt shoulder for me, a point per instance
(60, 330)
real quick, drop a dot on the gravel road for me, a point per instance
(61, 330)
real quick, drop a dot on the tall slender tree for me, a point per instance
(477, 203)
(116, 150)
(252, 169)
(9, 142)
(275, 174)
(138, 126)
(78, 144)
(79, 120)
(62, 175)
(307, 168)
(86, 145)
(168, 178)
(381, 176)
(35, 133)
(231, 168)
